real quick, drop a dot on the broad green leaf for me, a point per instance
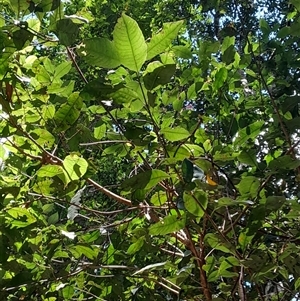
(160, 76)
(217, 242)
(274, 203)
(183, 52)
(264, 26)
(284, 32)
(290, 103)
(297, 283)
(249, 132)
(145, 180)
(220, 78)
(18, 214)
(175, 134)
(43, 137)
(124, 95)
(80, 250)
(163, 39)
(91, 236)
(49, 171)
(130, 43)
(69, 112)
(67, 31)
(227, 43)
(136, 246)
(75, 166)
(68, 292)
(22, 38)
(196, 202)
(284, 162)
(169, 224)
(100, 131)
(226, 201)
(159, 198)
(187, 170)
(249, 186)
(296, 3)
(100, 52)
(248, 157)
(61, 70)
(244, 240)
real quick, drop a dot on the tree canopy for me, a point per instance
(149, 150)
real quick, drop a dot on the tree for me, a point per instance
(167, 168)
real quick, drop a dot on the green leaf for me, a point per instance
(43, 137)
(228, 42)
(100, 52)
(248, 157)
(284, 162)
(249, 186)
(296, 3)
(297, 283)
(264, 26)
(226, 201)
(136, 246)
(145, 180)
(195, 203)
(244, 240)
(187, 170)
(159, 198)
(67, 31)
(49, 171)
(175, 134)
(220, 78)
(160, 76)
(218, 243)
(69, 112)
(100, 131)
(130, 43)
(80, 250)
(22, 217)
(249, 132)
(124, 95)
(183, 52)
(163, 39)
(290, 103)
(68, 292)
(167, 225)
(61, 70)
(75, 166)
(274, 203)
(283, 32)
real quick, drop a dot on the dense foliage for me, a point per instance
(149, 150)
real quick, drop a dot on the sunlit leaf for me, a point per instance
(169, 224)
(163, 39)
(75, 166)
(196, 202)
(175, 134)
(130, 43)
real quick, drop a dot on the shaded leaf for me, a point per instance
(145, 180)
(100, 52)
(160, 76)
